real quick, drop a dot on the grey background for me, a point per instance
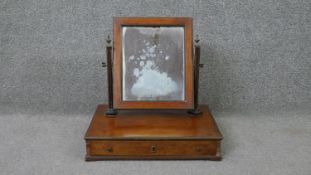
(257, 53)
(256, 80)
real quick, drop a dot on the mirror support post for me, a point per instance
(196, 70)
(110, 111)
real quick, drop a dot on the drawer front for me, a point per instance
(152, 148)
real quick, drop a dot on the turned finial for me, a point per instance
(196, 39)
(108, 40)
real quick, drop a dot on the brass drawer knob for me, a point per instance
(109, 149)
(153, 148)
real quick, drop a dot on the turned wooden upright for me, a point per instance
(196, 75)
(110, 110)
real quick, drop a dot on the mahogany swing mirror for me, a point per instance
(152, 64)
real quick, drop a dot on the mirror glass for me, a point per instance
(153, 63)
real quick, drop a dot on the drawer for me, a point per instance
(153, 148)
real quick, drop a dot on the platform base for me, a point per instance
(143, 134)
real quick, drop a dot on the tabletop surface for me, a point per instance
(153, 124)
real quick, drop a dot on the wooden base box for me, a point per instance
(150, 134)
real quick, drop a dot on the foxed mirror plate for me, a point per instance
(153, 63)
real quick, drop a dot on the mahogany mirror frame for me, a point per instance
(118, 23)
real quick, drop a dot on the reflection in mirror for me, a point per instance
(153, 64)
